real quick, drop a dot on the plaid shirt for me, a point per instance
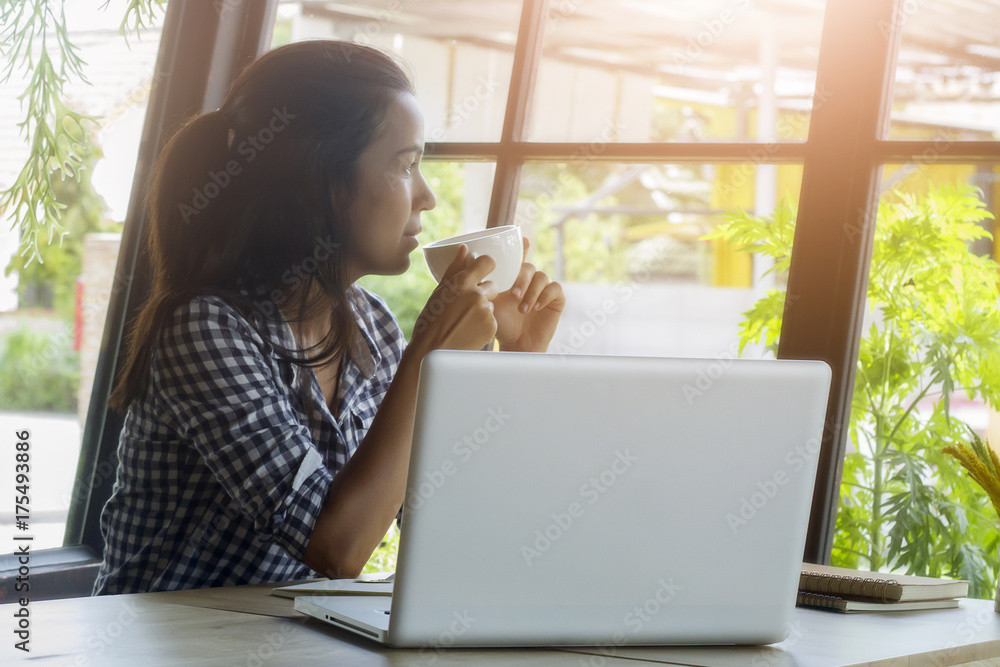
(221, 472)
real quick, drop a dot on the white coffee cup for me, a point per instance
(503, 244)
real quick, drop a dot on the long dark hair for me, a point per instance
(253, 193)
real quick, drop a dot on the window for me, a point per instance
(936, 210)
(786, 100)
(459, 55)
(632, 245)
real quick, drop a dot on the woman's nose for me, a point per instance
(424, 199)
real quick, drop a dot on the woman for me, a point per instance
(270, 399)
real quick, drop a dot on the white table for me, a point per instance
(244, 625)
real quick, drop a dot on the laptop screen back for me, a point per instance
(559, 500)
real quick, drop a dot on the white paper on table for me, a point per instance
(373, 583)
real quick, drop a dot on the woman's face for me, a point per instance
(391, 193)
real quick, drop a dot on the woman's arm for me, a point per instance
(367, 493)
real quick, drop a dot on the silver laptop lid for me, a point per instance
(561, 500)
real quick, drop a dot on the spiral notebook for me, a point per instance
(847, 606)
(877, 587)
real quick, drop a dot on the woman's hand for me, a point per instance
(459, 312)
(528, 312)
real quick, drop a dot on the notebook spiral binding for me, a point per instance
(882, 590)
(817, 600)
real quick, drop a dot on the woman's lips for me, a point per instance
(411, 237)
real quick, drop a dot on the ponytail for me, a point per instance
(198, 151)
(188, 197)
(181, 198)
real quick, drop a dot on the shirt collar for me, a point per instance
(363, 350)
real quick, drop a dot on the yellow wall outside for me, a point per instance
(734, 186)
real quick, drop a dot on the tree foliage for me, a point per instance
(83, 212)
(39, 371)
(35, 43)
(934, 317)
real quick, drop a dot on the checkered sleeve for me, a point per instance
(392, 343)
(221, 394)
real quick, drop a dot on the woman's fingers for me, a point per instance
(477, 270)
(475, 325)
(552, 294)
(489, 290)
(457, 264)
(523, 280)
(459, 314)
(539, 281)
(524, 275)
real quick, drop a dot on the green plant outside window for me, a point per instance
(905, 505)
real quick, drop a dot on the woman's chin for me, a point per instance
(395, 269)
(404, 266)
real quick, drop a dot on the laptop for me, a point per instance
(571, 500)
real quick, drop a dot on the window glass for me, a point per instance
(947, 84)
(634, 248)
(928, 375)
(52, 312)
(689, 70)
(459, 54)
